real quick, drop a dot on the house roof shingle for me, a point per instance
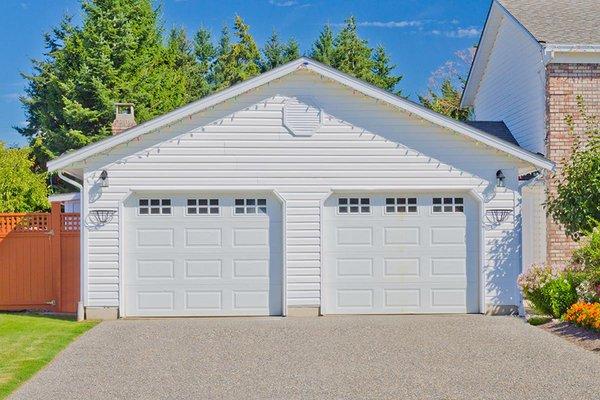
(494, 128)
(558, 21)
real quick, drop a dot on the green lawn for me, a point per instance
(30, 341)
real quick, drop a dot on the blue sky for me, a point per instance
(421, 36)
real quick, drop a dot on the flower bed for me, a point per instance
(583, 314)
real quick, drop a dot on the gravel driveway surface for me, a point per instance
(354, 357)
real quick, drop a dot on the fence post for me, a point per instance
(55, 245)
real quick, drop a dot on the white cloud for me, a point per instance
(390, 24)
(283, 3)
(470, 32)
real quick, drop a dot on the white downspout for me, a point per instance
(80, 309)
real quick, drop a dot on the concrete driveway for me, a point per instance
(396, 357)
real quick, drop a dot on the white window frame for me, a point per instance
(197, 206)
(161, 207)
(349, 204)
(397, 204)
(448, 205)
(254, 203)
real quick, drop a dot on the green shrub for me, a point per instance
(588, 255)
(560, 295)
(551, 291)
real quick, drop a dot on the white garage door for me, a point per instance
(203, 254)
(400, 254)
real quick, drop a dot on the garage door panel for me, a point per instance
(225, 264)
(393, 263)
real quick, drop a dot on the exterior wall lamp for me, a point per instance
(104, 178)
(500, 178)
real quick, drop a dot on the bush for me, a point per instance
(588, 255)
(559, 295)
(551, 290)
(584, 314)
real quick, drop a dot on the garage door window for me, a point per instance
(448, 204)
(250, 206)
(401, 205)
(154, 207)
(354, 205)
(202, 206)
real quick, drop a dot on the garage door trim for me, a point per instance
(467, 191)
(184, 189)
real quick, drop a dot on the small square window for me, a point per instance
(401, 205)
(451, 204)
(250, 206)
(357, 205)
(201, 206)
(154, 207)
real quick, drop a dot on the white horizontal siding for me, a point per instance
(243, 143)
(512, 88)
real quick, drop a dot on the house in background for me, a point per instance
(301, 191)
(534, 59)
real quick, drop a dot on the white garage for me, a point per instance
(297, 192)
(203, 254)
(400, 253)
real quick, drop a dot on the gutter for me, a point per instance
(80, 309)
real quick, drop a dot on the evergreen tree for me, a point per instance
(352, 54)
(241, 60)
(180, 56)
(205, 54)
(382, 71)
(291, 51)
(273, 52)
(116, 55)
(446, 102)
(323, 49)
(217, 75)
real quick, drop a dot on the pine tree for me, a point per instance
(383, 71)
(117, 54)
(291, 51)
(273, 52)
(179, 55)
(242, 60)
(323, 49)
(217, 75)
(205, 54)
(446, 102)
(352, 54)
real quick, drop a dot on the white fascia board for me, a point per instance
(328, 72)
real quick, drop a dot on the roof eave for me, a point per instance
(344, 79)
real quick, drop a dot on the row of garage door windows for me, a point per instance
(346, 205)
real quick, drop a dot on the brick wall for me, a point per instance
(564, 82)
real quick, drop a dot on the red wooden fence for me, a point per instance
(39, 261)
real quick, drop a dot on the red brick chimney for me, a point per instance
(124, 118)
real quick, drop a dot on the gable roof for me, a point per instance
(495, 128)
(558, 21)
(408, 106)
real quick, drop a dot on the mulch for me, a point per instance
(583, 337)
